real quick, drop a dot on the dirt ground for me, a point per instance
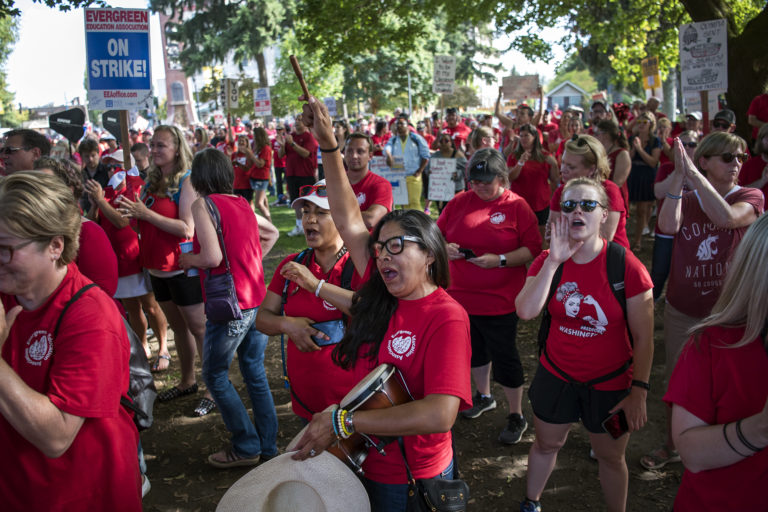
(177, 446)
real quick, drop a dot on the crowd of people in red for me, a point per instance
(538, 224)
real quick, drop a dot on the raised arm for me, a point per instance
(345, 209)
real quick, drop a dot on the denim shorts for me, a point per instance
(259, 184)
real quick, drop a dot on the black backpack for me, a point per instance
(615, 256)
(141, 394)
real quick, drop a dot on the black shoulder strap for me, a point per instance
(546, 318)
(615, 256)
(299, 259)
(346, 274)
(74, 298)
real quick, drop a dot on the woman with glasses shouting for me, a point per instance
(708, 223)
(402, 316)
(596, 360)
(584, 157)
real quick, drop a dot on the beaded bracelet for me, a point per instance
(349, 424)
(319, 285)
(340, 417)
(346, 428)
(333, 421)
(743, 439)
(673, 196)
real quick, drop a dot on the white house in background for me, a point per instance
(565, 95)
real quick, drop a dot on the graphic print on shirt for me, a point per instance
(706, 252)
(575, 302)
(39, 348)
(361, 198)
(498, 218)
(401, 344)
(328, 306)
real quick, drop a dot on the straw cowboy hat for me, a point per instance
(319, 484)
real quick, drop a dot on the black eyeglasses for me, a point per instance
(728, 157)
(394, 245)
(6, 251)
(7, 150)
(721, 124)
(586, 205)
(309, 189)
(689, 144)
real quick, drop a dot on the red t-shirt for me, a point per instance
(262, 173)
(502, 225)
(242, 171)
(458, 133)
(532, 184)
(296, 165)
(758, 108)
(730, 385)
(83, 371)
(373, 189)
(96, 259)
(550, 130)
(315, 379)
(241, 239)
(279, 161)
(125, 241)
(751, 171)
(380, 140)
(159, 250)
(624, 189)
(588, 335)
(429, 138)
(617, 205)
(702, 253)
(428, 341)
(662, 156)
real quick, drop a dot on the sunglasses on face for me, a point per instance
(728, 157)
(689, 144)
(721, 124)
(394, 245)
(307, 190)
(586, 205)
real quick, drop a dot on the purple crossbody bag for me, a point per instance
(220, 296)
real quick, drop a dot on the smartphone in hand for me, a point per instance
(468, 253)
(616, 424)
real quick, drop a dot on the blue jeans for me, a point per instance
(221, 341)
(394, 497)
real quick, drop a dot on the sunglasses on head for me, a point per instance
(728, 157)
(586, 205)
(307, 190)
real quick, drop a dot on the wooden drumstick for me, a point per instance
(300, 76)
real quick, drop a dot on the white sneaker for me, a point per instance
(145, 485)
(646, 231)
(296, 231)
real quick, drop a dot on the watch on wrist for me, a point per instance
(502, 260)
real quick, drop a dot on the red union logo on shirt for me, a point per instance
(498, 218)
(402, 344)
(39, 348)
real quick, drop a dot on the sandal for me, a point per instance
(205, 406)
(175, 392)
(159, 366)
(229, 459)
(659, 458)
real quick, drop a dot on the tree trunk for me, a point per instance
(261, 63)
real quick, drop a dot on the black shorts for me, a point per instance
(179, 289)
(542, 216)
(295, 183)
(558, 402)
(493, 340)
(247, 193)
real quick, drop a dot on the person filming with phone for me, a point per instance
(596, 360)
